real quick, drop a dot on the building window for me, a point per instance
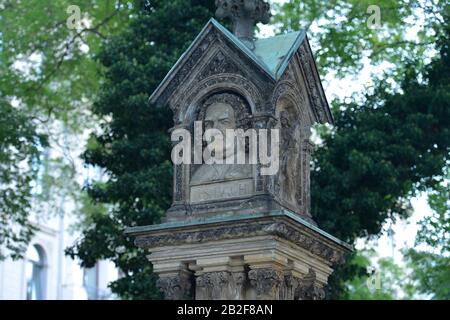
(35, 273)
(90, 282)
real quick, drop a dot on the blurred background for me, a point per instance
(83, 155)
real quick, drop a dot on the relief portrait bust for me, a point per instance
(223, 111)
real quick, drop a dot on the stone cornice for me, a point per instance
(277, 226)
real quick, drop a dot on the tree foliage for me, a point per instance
(19, 156)
(134, 147)
(383, 152)
(45, 62)
(47, 79)
(430, 260)
(346, 40)
(383, 279)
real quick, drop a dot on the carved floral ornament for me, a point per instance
(266, 282)
(257, 10)
(244, 15)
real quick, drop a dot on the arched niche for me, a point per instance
(188, 103)
(291, 183)
(222, 110)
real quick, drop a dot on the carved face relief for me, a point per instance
(220, 116)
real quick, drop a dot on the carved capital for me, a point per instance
(220, 285)
(175, 287)
(309, 289)
(213, 285)
(266, 283)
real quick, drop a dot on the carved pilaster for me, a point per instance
(307, 150)
(237, 285)
(176, 287)
(266, 282)
(289, 286)
(309, 289)
(267, 122)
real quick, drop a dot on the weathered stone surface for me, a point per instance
(267, 283)
(263, 257)
(176, 287)
(222, 190)
(244, 14)
(279, 227)
(308, 289)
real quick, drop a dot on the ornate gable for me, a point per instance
(224, 54)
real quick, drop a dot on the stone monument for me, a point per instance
(232, 232)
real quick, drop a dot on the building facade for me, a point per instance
(46, 273)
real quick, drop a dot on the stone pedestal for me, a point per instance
(276, 255)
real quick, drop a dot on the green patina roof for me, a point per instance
(276, 52)
(273, 54)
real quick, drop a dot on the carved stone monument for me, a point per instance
(232, 232)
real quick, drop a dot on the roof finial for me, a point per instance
(244, 14)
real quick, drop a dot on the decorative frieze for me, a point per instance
(306, 240)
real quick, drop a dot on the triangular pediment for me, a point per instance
(270, 58)
(192, 57)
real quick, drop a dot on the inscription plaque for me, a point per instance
(222, 190)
